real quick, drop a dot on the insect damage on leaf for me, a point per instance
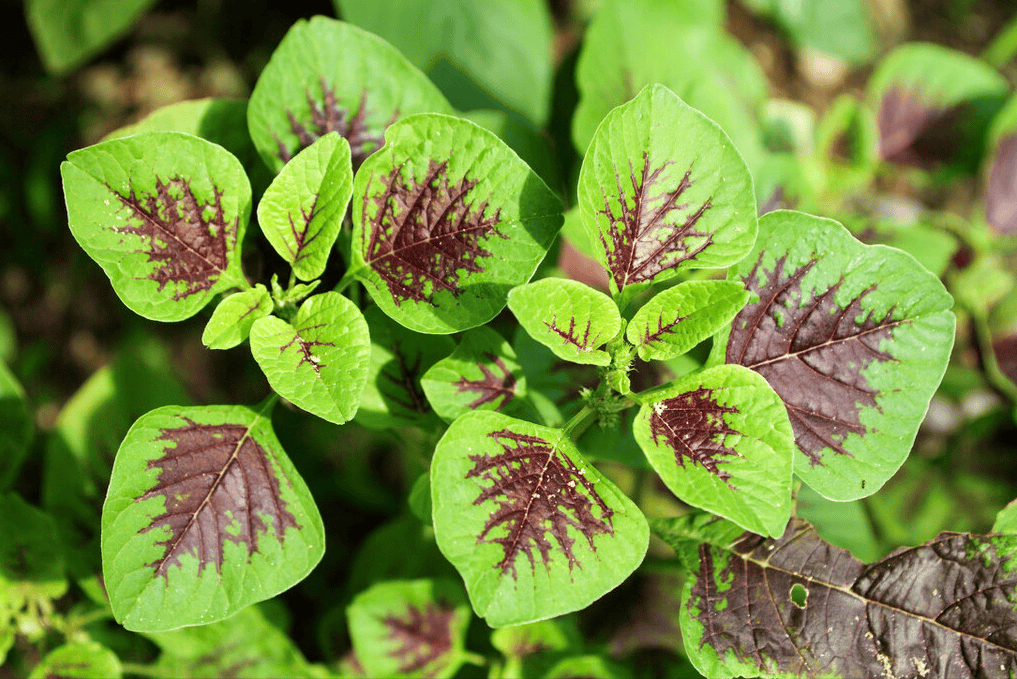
(218, 485)
(491, 387)
(692, 424)
(538, 490)
(426, 234)
(813, 353)
(188, 241)
(653, 232)
(424, 635)
(1001, 192)
(330, 116)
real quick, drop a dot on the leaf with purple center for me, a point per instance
(410, 628)
(721, 441)
(303, 209)
(568, 317)
(233, 317)
(662, 189)
(854, 339)
(319, 360)
(481, 374)
(163, 213)
(204, 515)
(1001, 168)
(446, 220)
(329, 76)
(534, 529)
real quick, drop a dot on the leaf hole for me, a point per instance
(799, 595)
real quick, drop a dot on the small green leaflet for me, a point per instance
(204, 515)
(79, 660)
(31, 553)
(302, 210)
(570, 318)
(410, 628)
(679, 318)
(720, 440)
(232, 319)
(163, 213)
(663, 189)
(534, 530)
(16, 425)
(446, 220)
(319, 361)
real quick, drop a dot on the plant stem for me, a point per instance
(349, 277)
(993, 372)
(579, 422)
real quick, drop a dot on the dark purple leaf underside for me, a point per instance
(650, 236)
(1005, 350)
(218, 485)
(424, 636)
(571, 336)
(692, 425)
(327, 115)
(490, 387)
(538, 490)
(425, 235)
(189, 242)
(1001, 192)
(942, 609)
(904, 114)
(402, 377)
(812, 353)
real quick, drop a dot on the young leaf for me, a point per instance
(679, 318)
(1000, 188)
(534, 530)
(797, 606)
(854, 338)
(328, 76)
(663, 189)
(205, 515)
(446, 219)
(163, 214)
(16, 425)
(481, 374)
(30, 549)
(319, 361)
(720, 440)
(570, 318)
(302, 210)
(79, 660)
(232, 319)
(413, 628)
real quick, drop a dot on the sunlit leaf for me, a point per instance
(79, 660)
(233, 317)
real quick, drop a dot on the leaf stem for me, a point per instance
(579, 423)
(993, 372)
(348, 278)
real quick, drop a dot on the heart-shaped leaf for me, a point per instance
(163, 214)
(303, 209)
(854, 338)
(663, 189)
(232, 319)
(796, 606)
(720, 440)
(534, 529)
(329, 76)
(204, 515)
(570, 318)
(447, 219)
(319, 361)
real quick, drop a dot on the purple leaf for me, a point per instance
(1001, 191)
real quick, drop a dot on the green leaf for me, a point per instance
(854, 338)
(570, 318)
(663, 189)
(68, 32)
(520, 640)
(302, 210)
(205, 515)
(842, 524)
(474, 50)
(233, 317)
(679, 318)
(1006, 520)
(552, 383)
(530, 142)
(319, 361)
(30, 548)
(591, 666)
(534, 530)
(481, 374)
(720, 440)
(163, 213)
(16, 425)
(839, 28)
(446, 220)
(413, 628)
(328, 76)
(79, 660)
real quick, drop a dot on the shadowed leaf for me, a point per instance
(78, 660)
(1001, 192)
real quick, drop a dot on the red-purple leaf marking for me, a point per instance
(424, 636)
(537, 490)
(300, 233)
(692, 424)
(812, 353)
(662, 329)
(215, 477)
(188, 241)
(641, 239)
(570, 335)
(1001, 192)
(305, 349)
(425, 234)
(491, 387)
